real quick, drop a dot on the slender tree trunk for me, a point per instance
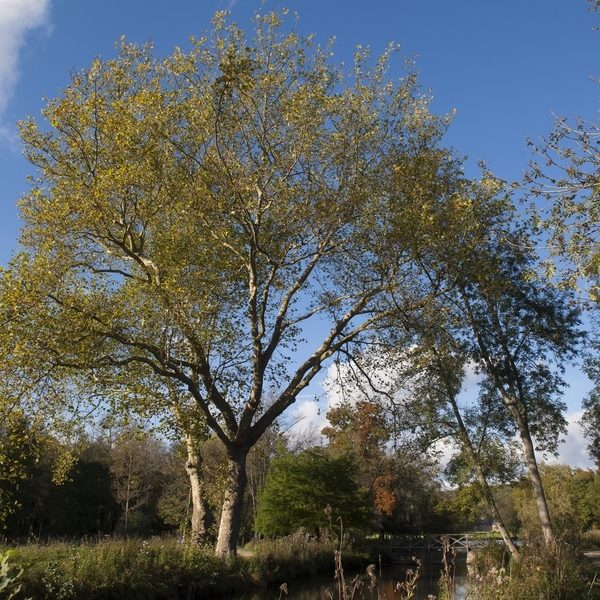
(252, 487)
(487, 492)
(231, 515)
(532, 466)
(126, 516)
(512, 404)
(199, 510)
(128, 492)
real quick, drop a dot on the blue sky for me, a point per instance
(506, 67)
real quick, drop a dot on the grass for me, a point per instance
(298, 557)
(165, 569)
(128, 569)
(162, 568)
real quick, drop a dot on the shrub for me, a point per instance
(300, 487)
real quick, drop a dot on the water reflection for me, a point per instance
(325, 588)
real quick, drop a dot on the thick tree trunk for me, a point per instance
(199, 511)
(231, 515)
(532, 466)
(487, 492)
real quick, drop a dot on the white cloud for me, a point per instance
(305, 423)
(573, 451)
(340, 384)
(308, 417)
(17, 17)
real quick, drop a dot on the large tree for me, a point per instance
(191, 215)
(518, 330)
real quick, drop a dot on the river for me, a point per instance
(325, 588)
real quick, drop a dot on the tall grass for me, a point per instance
(296, 556)
(165, 569)
(542, 573)
(127, 569)
(162, 568)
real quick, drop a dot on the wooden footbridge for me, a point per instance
(459, 542)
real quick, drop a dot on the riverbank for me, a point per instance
(164, 569)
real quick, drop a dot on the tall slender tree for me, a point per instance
(499, 316)
(521, 332)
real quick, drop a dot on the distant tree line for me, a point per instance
(127, 481)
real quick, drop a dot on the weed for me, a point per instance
(9, 578)
(408, 587)
(447, 583)
(542, 573)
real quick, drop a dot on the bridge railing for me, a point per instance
(457, 541)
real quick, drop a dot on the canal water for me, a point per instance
(325, 588)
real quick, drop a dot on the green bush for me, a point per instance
(310, 491)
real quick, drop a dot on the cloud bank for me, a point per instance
(17, 18)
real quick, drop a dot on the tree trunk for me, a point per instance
(231, 515)
(128, 491)
(487, 492)
(514, 403)
(199, 510)
(532, 466)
